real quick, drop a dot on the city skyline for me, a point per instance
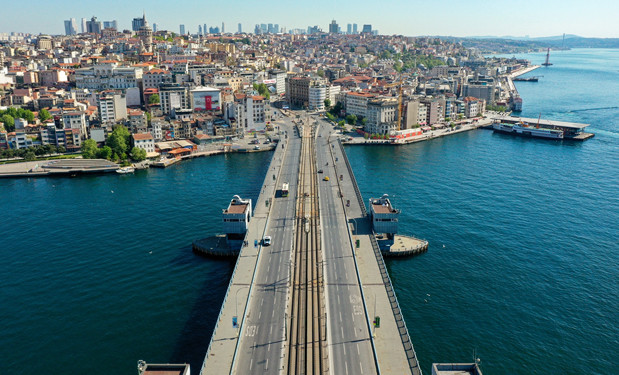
(542, 19)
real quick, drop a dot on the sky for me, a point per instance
(535, 18)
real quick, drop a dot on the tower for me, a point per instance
(146, 34)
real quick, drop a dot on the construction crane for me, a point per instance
(398, 84)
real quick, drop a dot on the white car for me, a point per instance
(266, 241)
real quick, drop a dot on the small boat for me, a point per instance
(125, 170)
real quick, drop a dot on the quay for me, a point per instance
(58, 167)
(316, 297)
(571, 130)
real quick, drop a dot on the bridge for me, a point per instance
(318, 298)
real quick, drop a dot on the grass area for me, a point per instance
(41, 158)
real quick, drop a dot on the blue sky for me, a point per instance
(597, 18)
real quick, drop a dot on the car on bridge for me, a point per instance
(326, 178)
(266, 241)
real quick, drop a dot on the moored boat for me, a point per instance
(528, 131)
(125, 170)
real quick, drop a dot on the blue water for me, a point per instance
(522, 267)
(82, 292)
(527, 276)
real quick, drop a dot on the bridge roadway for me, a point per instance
(260, 290)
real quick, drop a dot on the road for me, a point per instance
(261, 345)
(350, 349)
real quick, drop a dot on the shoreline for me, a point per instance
(28, 169)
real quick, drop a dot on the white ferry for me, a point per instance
(527, 130)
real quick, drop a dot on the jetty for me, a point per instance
(58, 167)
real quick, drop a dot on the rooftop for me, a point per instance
(236, 208)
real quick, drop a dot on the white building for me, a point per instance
(107, 76)
(280, 80)
(75, 120)
(382, 115)
(357, 103)
(144, 141)
(205, 99)
(317, 96)
(251, 112)
(112, 107)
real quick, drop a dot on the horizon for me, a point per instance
(544, 20)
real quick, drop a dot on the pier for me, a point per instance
(316, 297)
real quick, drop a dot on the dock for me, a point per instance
(58, 167)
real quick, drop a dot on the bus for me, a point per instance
(285, 189)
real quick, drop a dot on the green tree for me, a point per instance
(341, 123)
(119, 141)
(44, 115)
(89, 149)
(138, 154)
(148, 117)
(327, 103)
(30, 156)
(262, 90)
(105, 152)
(321, 73)
(351, 119)
(154, 99)
(61, 149)
(8, 121)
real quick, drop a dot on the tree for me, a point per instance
(364, 121)
(119, 141)
(30, 156)
(89, 149)
(61, 149)
(327, 103)
(8, 121)
(138, 154)
(351, 119)
(44, 115)
(154, 99)
(262, 90)
(341, 123)
(148, 117)
(321, 73)
(105, 152)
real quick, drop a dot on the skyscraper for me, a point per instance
(70, 27)
(137, 23)
(240, 29)
(93, 26)
(367, 29)
(276, 28)
(349, 29)
(154, 27)
(354, 28)
(199, 29)
(110, 25)
(84, 28)
(223, 29)
(333, 27)
(204, 29)
(182, 29)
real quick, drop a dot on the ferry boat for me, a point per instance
(527, 131)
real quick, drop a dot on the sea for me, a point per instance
(521, 274)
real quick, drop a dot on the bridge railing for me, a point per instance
(395, 305)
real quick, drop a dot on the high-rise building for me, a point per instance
(199, 29)
(276, 28)
(204, 29)
(182, 29)
(333, 27)
(137, 23)
(84, 25)
(367, 29)
(70, 27)
(223, 29)
(349, 29)
(93, 26)
(354, 28)
(110, 25)
(257, 30)
(240, 29)
(155, 27)
(270, 28)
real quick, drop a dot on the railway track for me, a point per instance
(307, 352)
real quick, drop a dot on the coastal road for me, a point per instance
(350, 349)
(261, 345)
